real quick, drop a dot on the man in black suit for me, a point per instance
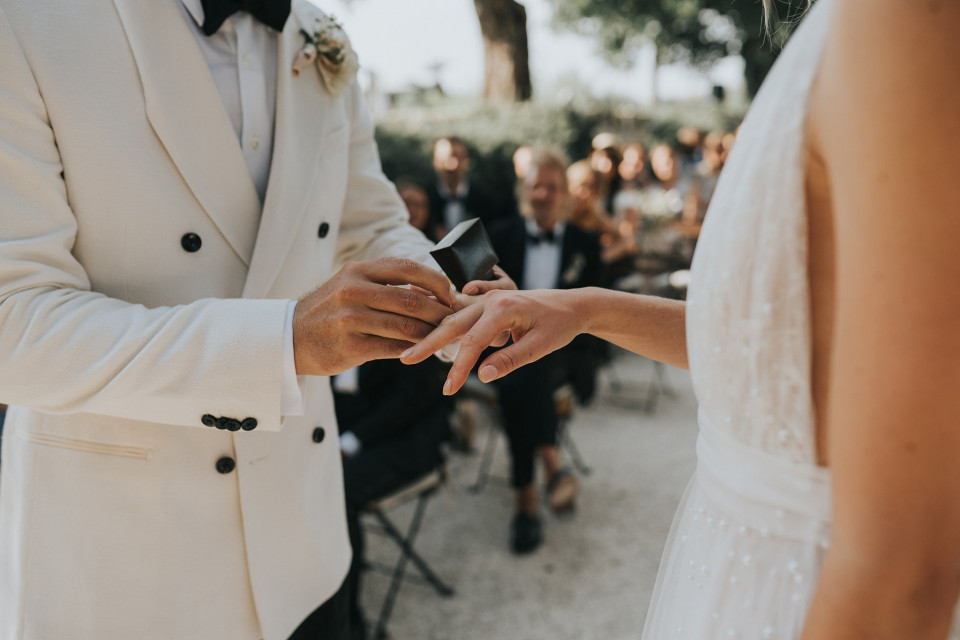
(542, 251)
(453, 199)
(392, 419)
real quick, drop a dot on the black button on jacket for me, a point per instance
(225, 465)
(191, 242)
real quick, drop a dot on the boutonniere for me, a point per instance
(572, 273)
(328, 47)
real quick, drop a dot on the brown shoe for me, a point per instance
(562, 491)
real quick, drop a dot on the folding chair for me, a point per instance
(563, 404)
(421, 491)
(643, 396)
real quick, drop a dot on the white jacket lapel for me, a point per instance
(303, 108)
(188, 116)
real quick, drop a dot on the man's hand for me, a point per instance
(356, 316)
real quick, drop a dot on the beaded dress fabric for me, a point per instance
(748, 539)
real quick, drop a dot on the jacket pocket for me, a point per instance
(88, 446)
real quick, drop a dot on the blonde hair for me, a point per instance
(548, 157)
(771, 19)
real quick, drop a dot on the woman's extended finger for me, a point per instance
(529, 348)
(484, 333)
(450, 328)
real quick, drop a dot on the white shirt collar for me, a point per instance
(462, 189)
(195, 9)
(558, 228)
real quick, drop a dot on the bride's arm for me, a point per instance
(542, 321)
(889, 132)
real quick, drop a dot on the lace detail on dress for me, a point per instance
(748, 540)
(748, 307)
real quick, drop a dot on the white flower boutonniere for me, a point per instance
(572, 273)
(328, 47)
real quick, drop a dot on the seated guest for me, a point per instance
(392, 419)
(417, 201)
(543, 251)
(586, 204)
(587, 213)
(703, 180)
(688, 152)
(605, 159)
(634, 170)
(662, 204)
(521, 162)
(453, 199)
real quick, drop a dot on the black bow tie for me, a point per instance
(547, 237)
(273, 13)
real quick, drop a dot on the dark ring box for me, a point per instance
(465, 254)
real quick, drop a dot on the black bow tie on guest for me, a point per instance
(547, 237)
(273, 13)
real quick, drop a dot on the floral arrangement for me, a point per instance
(328, 47)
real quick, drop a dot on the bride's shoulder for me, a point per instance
(887, 67)
(889, 41)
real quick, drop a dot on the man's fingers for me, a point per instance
(373, 323)
(450, 328)
(501, 339)
(417, 289)
(401, 271)
(404, 302)
(376, 348)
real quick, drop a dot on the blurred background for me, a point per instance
(588, 137)
(507, 73)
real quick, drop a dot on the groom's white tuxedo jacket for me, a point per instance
(140, 291)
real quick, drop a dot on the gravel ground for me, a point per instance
(594, 574)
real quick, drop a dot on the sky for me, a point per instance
(399, 40)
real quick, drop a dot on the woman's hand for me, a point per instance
(502, 282)
(473, 292)
(539, 321)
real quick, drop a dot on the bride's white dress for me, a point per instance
(747, 543)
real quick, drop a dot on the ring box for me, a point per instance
(465, 254)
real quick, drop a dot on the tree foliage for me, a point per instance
(693, 31)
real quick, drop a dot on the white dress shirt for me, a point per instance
(348, 382)
(242, 57)
(454, 211)
(541, 262)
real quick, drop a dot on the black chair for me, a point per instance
(421, 491)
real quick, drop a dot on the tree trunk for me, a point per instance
(503, 24)
(655, 77)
